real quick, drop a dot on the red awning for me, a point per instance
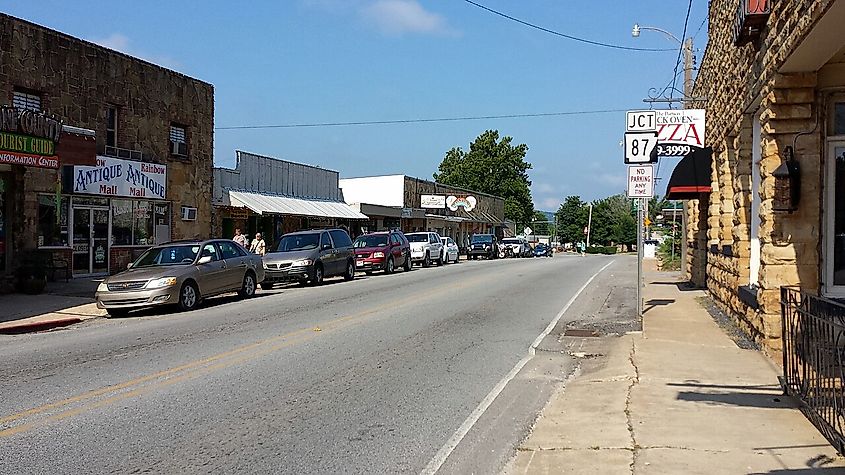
(77, 147)
(691, 176)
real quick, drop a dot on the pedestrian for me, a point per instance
(581, 247)
(258, 246)
(239, 238)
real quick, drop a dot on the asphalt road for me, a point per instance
(373, 375)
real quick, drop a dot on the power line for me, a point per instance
(703, 21)
(681, 49)
(564, 35)
(414, 121)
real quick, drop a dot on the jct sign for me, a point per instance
(116, 177)
(679, 131)
(640, 181)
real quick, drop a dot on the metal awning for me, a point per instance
(691, 176)
(274, 204)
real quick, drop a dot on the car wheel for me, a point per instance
(189, 297)
(388, 268)
(426, 260)
(267, 285)
(117, 312)
(408, 263)
(248, 286)
(350, 271)
(440, 259)
(318, 275)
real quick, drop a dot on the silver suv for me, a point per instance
(309, 257)
(426, 247)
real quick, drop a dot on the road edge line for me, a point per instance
(443, 454)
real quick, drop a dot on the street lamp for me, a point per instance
(689, 64)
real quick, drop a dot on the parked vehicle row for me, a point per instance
(183, 273)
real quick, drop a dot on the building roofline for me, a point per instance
(101, 47)
(373, 176)
(428, 181)
(237, 162)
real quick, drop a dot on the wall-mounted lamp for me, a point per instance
(787, 183)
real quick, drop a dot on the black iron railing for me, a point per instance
(814, 360)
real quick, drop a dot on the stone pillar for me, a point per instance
(789, 108)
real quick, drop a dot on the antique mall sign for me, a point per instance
(116, 177)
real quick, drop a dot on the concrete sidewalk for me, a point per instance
(62, 304)
(679, 398)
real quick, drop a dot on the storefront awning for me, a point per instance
(273, 204)
(691, 176)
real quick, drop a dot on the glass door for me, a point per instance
(90, 240)
(99, 241)
(81, 240)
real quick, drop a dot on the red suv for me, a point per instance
(382, 251)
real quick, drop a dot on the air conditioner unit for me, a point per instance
(189, 214)
(179, 148)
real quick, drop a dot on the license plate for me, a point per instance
(360, 263)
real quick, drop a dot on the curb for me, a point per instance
(31, 327)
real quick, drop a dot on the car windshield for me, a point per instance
(168, 256)
(482, 238)
(417, 237)
(373, 240)
(299, 242)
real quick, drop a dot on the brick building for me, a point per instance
(148, 177)
(774, 80)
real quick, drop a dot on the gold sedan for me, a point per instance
(181, 273)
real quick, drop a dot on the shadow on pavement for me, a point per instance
(741, 399)
(210, 302)
(650, 304)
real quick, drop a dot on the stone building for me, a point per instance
(774, 82)
(149, 176)
(413, 204)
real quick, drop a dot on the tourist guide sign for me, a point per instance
(29, 137)
(640, 181)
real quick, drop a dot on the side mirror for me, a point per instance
(129, 266)
(204, 260)
(326, 247)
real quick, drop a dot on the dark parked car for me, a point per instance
(483, 245)
(543, 250)
(382, 251)
(309, 257)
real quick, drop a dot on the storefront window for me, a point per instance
(144, 231)
(134, 222)
(121, 226)
(52, 221)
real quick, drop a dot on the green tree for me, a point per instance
(540, 224)
(614, 221)
(492, 166)
(571, 220)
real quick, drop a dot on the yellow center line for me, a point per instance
(195, 368)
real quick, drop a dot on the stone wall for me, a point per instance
(739, 82)
(78, 81)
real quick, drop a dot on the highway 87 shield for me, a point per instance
(641, 181)
(641, 147)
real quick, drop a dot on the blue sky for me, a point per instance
(315, 61)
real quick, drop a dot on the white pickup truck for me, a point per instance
(426, 247)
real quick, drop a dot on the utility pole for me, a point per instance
(589, 225)
(689, 63)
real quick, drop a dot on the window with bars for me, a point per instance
(26, 100)
(178, 140)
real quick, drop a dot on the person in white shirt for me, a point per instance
(258, 246)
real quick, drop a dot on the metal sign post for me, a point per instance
(640, 219)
